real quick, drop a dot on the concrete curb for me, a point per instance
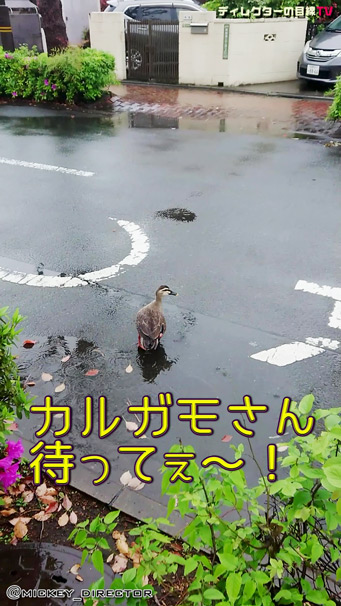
(232, 89)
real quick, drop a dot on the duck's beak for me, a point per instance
(175, 294)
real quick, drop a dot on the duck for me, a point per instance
(150, 321)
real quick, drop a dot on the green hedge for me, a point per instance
(334, 112)
(72, 75)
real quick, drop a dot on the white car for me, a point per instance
(153, 10)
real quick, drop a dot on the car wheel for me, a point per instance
(135, 59)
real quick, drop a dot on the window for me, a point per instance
(109, 9)
(335, 26)
(132, 12)
(156, 13)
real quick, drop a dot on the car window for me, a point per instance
(156, 13)
(334, 25)
(132, 12)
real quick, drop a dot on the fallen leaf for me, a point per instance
(137, 557)
(135, 484)
(59, 416)
(143, 437)
(226, 438)
(116, 534)
(51, 491)
(110, 558)
(7, 512)
(79, 578)
(16, 520)
(20, 529)
(7, 501)
(122, 545)
(41, 490)
(125, 478)
(73, 517)
(14, 541)
(66, 359)
(30, 384)
(92, 373)
(52, 507)
(66, 503)
(145, 580)
(75, 568)
(42, 516)
(60, 388)
(28, 495)
(28, 344)
(46, 377)
(21, 488)
(12, 427)
(282, 448)
(47, 499)
(63, 520)
(129, 368)
(131, 426)
(120, 563)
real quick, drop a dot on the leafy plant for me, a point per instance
(72, 75)
(283, 545)
(334, 112)
(14, 401)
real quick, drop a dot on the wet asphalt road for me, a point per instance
(265, 214)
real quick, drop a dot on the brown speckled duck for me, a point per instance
(150, 321)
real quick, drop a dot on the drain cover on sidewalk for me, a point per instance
(43, 566)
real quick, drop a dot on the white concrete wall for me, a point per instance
(76, 17)
(107, 34)
(251, 59)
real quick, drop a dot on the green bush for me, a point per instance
(334, 112)
(284, 545)
(72, 75)
(13, 399)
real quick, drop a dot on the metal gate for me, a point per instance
(153, 51)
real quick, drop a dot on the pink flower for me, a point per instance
(54, 86)
(10, 475)
(8, 469)
(15, 449)
(46, 82)
(14, 94)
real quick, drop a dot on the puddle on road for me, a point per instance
(176, 214)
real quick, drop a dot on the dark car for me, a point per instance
(321, 57)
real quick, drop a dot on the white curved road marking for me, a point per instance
(57, 169)
(139, 250)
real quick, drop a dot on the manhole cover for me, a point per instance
(42, 566)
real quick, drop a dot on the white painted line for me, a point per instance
(49, 167)
(288, 353)
(139, 250)
(315, 289)
(323, 342)
(335, 316)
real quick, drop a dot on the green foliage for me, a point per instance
(334, 112)
(279, 544)
(14, 402)
(72, 75)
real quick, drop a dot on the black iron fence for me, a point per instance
(153, 51)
